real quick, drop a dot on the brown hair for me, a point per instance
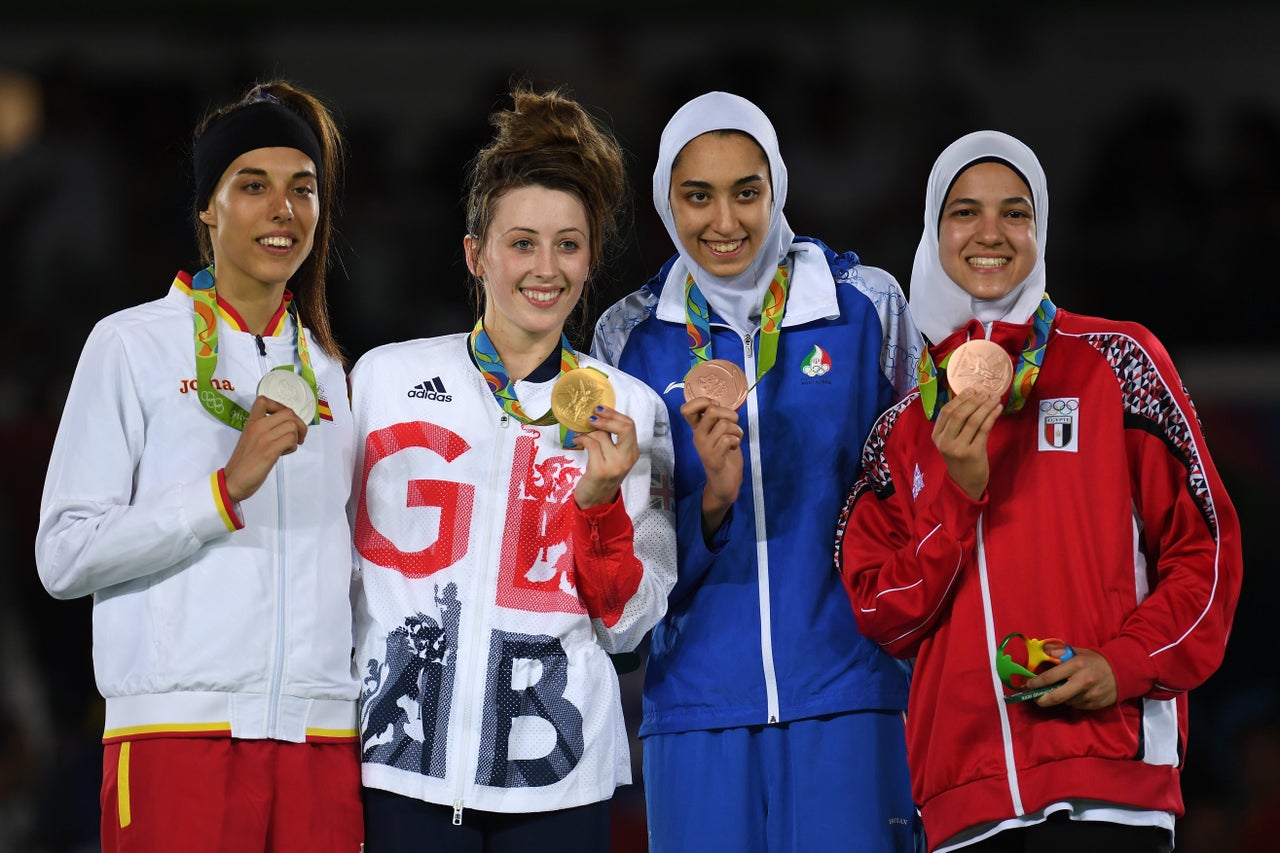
(308, 283)
(550, 140)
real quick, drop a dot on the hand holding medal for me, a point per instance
(289, 389)
(721, 380)
(576, 396)
(582, 401)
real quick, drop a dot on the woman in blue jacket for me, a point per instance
(769, 722)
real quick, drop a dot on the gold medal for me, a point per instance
(980, 364)
(722, 381)
(577, 393)
(289, 389)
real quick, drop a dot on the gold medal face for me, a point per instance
(722, 381)
(289, 389)
(576, 395)
(980, 364)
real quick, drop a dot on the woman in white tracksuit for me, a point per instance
(207, 520)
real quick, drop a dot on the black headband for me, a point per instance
(262, 124)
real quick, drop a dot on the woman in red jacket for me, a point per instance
(1078, 502)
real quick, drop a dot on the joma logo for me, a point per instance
(219, 384)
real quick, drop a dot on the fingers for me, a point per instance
(272, 430)
(967, 418)
(265, 406)
(1088, 683)
(612, 451)
(704, 411)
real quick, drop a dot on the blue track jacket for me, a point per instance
(758, 628)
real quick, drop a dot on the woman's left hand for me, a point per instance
(1088, 683)
(612, 450)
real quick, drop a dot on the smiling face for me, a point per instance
(533, 264)
(262, 219)
(987, 234)
(721, 200)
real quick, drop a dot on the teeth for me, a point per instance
(988, 263)
(724, 248)
(278, 242)
(542, 295)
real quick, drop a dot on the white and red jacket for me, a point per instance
(489, 603)
(1104, 523)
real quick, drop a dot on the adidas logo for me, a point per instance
(432, 389)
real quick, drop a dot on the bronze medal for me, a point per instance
(980, 364)
(722, 381)
(289, 389)
(577, 393)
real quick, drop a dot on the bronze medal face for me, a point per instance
(980, 364)
(289, 389)
(722, 381)
(576, 395)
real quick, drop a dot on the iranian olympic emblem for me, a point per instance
(1059, 424)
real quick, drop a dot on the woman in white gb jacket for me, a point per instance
(502, 556)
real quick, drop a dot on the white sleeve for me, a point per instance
(93, 534)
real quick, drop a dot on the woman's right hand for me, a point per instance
(961, 433)
(272, 430)
(718, 440)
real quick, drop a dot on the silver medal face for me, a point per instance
(289, 389)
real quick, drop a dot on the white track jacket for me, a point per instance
(489, 603)
(209, 619)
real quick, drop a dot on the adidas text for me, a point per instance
(432, 389)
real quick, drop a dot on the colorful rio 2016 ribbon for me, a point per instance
(933, 396)
(698, 321)
(500, 383)
(204, 301)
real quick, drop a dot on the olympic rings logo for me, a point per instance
(212, 401)
(1059, 406)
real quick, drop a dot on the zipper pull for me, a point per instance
(502, 421)
(746, 342)
(262, 347)
(457, 809)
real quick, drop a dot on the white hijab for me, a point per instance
(738, 300)
(939, 305)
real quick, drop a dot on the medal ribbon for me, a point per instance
(698, 321)
(486, 357)
(204, 308)
(933, 396)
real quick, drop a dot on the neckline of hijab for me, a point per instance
(737, 299)
(939, 306)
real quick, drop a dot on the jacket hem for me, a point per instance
(1132, 784)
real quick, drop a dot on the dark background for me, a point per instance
(1159, 131)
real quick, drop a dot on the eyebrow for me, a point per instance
(706, 185)
(249, 170)
(1017, 199)
(525, 229)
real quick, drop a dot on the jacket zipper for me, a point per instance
(277, 666)
(477, 638)
(773, 711)
(1015, 791)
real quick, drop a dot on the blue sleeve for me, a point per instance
(696, 554)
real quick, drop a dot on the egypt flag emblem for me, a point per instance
(1059, 424)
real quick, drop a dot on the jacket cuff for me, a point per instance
(1134, 671)
(608, 572)
(208, 509)
(956, 511)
